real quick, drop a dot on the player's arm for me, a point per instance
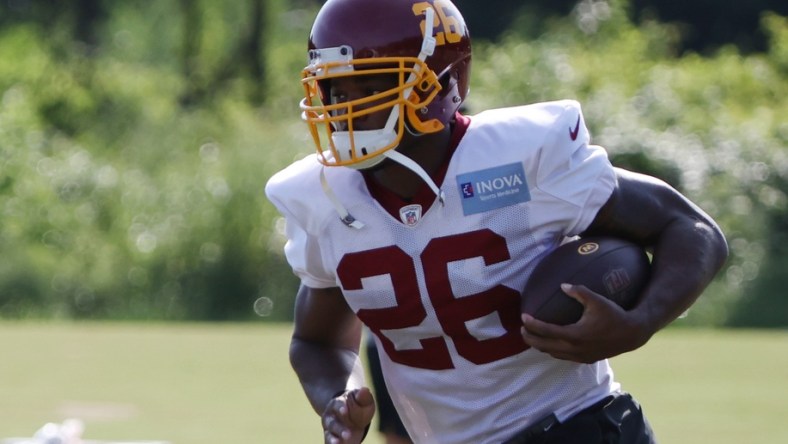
(689, 249)
(324, 354)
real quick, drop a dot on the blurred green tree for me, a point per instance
(245, 58)
(135, 138)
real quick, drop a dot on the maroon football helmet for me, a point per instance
(431, 58)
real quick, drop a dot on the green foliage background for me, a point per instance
(119, 199)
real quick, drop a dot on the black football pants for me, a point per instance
(617, 419)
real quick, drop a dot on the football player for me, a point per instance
(423, 224)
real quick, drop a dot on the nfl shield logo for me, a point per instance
(410, 214)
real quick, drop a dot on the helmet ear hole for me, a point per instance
(448, 100)
(446, 79)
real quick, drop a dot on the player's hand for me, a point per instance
(347, 416)
(605, 330)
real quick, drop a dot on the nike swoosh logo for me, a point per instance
(573, 132)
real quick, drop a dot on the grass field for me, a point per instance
(231, 383)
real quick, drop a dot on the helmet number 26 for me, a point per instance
(451, 26)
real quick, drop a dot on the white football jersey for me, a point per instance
(439, 284)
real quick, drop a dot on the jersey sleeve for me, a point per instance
(572, 170)
(290, 193)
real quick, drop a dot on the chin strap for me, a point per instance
(396, 156)
(344, 215)
(407, 162)
(410, 164)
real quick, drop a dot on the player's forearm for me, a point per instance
(689, 248)
(325, 371)
(687, 256)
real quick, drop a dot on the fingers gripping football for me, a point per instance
(347, 416)
(603, 331)
(611, 267)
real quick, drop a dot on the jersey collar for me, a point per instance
(424, 196)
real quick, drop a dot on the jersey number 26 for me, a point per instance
(452, 312)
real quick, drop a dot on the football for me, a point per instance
(615, 268)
